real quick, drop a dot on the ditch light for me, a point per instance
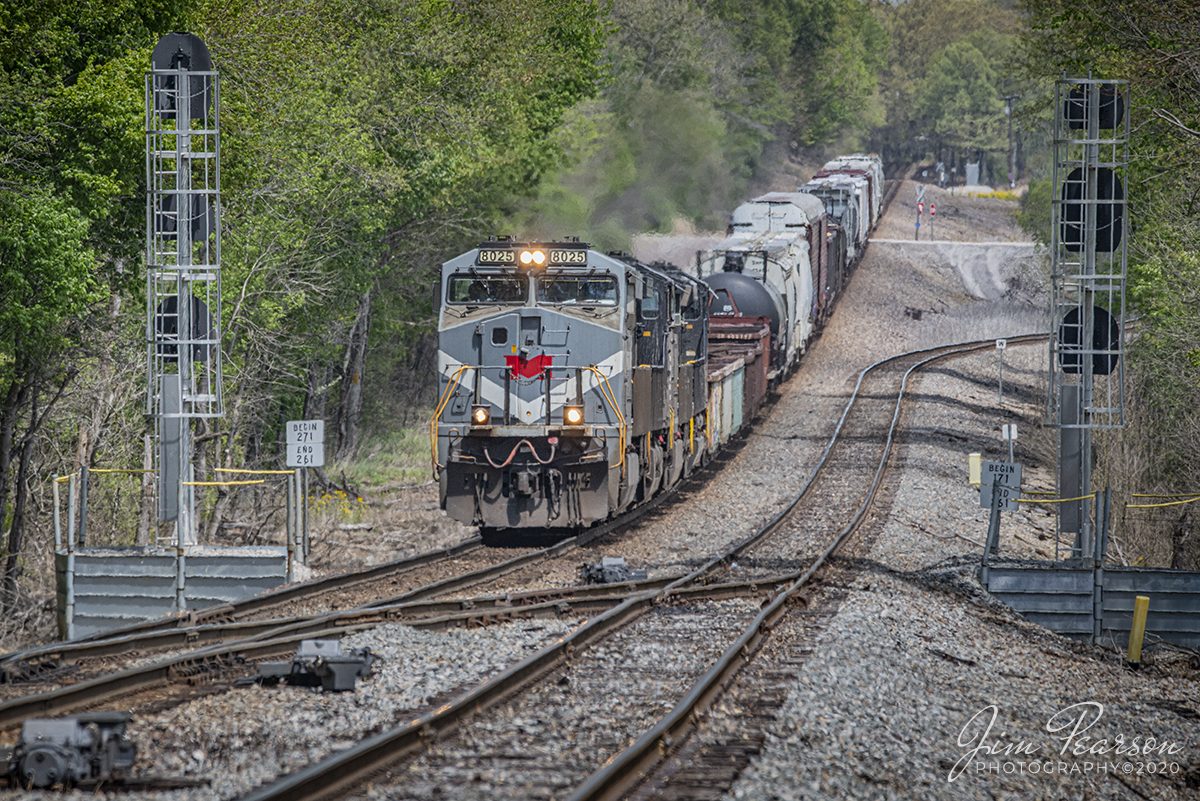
(481, 416)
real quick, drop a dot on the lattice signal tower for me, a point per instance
(1089, 256)
(183, 266)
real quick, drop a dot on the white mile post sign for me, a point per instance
(306, 443)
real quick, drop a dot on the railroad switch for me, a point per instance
(319, 663)
(611, 570)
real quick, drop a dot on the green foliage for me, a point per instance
(1036, 208)
(959, 97)
(696, 93)
(379, 138)
(840, 50)
(45, 277)
(946, 72)
(70, 163)
(1152, 46)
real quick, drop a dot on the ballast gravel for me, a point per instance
(925, 687)
(249, 736)
(561, 730)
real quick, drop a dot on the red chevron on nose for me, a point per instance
(529, 368)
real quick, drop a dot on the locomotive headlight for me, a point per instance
(481, 415)
(533, 258)
(573, 415)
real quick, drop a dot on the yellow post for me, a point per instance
(974, 469)
(1141, 606)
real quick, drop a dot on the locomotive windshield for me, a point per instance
(579, 290)
(487, 289)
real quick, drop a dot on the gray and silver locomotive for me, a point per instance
(572, 383)
(575, 384)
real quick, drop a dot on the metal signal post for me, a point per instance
(920, 209)
(1089, 256)
(183, 266)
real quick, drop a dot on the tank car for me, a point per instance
(572, 383)
(775, 263)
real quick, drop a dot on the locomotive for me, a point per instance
(575, 384)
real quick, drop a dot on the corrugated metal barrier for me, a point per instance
(104, 588)
(1096, 605)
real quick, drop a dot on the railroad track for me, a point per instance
(337, 774)
(67, 677)
(617, 606)
(422, 576)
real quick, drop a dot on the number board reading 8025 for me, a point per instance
(508, 258)
(568, 257)
(501, 257)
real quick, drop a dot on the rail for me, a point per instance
(623, 771)
(22, 664)
(334, 775)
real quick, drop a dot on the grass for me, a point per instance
(399, 456)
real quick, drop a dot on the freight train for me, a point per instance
(575, 385)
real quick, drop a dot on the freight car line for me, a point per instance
(338, 773)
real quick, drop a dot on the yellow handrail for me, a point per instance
(611, 397)
(450, 387)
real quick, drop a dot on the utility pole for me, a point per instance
(1012, 150)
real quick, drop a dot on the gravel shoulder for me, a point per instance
(923, 686)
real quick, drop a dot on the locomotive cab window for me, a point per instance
(591, 290)
(693, 301)
(486, 289)
(649, 304)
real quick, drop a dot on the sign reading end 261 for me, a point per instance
(306, 443)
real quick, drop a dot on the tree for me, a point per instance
(1152, 46)
(959, 99)
(373, 122)
(70, 192)
(699, 93)
(920, 62)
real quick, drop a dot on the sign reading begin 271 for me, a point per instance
(306, 443)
